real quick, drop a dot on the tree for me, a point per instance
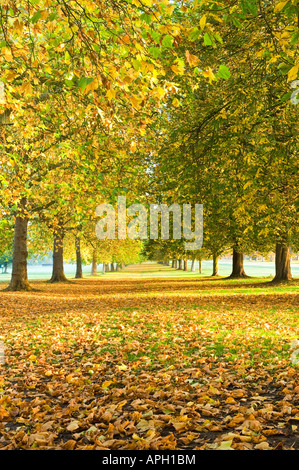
(216, 137)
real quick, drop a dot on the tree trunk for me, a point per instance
(19, 280)
(282, 263)
(238, 266)
(215, 265)
(116, 267)
(193, 265)
(107, 268)
(104, 268)
(185, 265)
(79, 273)
(57, 271)
(172, 263)
(94, 263)
(180, 264)
(199, 266)
(112, 267)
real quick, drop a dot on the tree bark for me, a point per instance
(238, 265)
(193, 265)
(185, 265)
(19, 280)
(79, 273)
(199, 266)
(180, 264)
(282, 263)
(215, 265)
(94, 263)
(58, 271)
(112, 267)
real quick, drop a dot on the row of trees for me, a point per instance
(232, 144)
(78, 90)
(173, 101)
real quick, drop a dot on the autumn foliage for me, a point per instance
(132, 362)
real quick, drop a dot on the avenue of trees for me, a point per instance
(160, 101)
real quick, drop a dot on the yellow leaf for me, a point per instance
(292, 75)
(26, 88)
(3, 413)
(91, 86)
(177, 69)
(126, 39)
(10, 75)
(73, 426)
(230, 400)
(133, 146)
(159, 91)
(44, 14)
(106, 384)
(128, 79)
(18, 26)
(111, 94)
(225, 445)
(209, 74)
(2, 93)
(192, 59)
(203, 21)
(280, 6)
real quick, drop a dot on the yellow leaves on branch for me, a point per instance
(111, 94)
(191, 59)
(203, 21)
(159, 92)
(280, 6)
(26, 88)
(209, 74)
(135, 101)
(176, 102)
(292, 75)
(178, 67)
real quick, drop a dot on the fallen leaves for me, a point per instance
(110, 364)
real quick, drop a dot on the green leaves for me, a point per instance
(194, 34)
(167, 41)
(146, 18)
(208, 40)
(249, 6)
(36, 17)
(154, 51)
(223, 72)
